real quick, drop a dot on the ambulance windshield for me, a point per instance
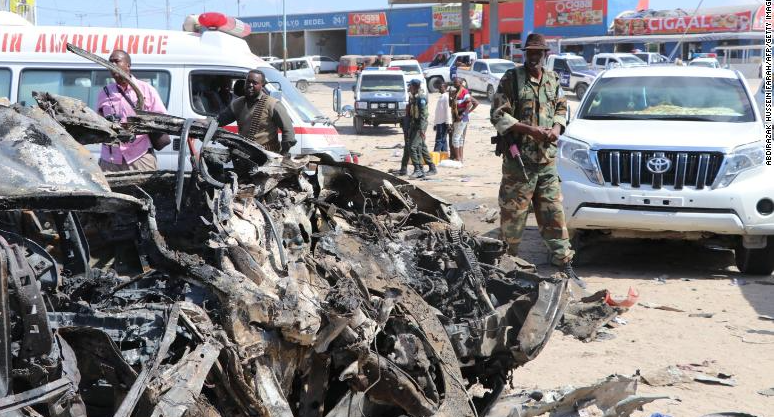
(296, 99)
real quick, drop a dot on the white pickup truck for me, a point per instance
(435, 75)
(484, 76)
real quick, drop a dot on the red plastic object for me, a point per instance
(212, 20)
(630, 300)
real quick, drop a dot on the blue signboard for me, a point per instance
(297, 22)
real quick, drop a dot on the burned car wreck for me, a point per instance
(254, 285)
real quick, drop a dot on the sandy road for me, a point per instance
(695, 279)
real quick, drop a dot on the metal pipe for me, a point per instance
(280, 248)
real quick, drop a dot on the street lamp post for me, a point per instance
(284, 41)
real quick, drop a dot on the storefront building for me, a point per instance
(582, 26)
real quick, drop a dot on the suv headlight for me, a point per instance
(579, 153)
(402, 105)
(361, 105)
(742, 158)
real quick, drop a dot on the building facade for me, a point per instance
(424, 31)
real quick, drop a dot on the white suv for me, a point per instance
(671, 152)
(604, 61)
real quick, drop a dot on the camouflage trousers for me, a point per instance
(541, 187)
(418, 148)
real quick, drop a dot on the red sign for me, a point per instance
(730, 22)
(367, 24)
(559, 13)
(759, 21)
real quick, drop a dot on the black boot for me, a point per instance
(402, 172)
(567, 270)
(431, 169)
(418, 172)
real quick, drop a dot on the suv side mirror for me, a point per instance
(337, 100)
(485, 72)
(348, 111)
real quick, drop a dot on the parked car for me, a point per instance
(380, 98)
(299, 71)
(671, 152)
(270, 58)
(484, 76)
(705, 62)
(652, 58)
(435, 75)
(411, 71)
(605, 61)
(574, 73)
(348, 65)
(323, 64)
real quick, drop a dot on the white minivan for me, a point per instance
(190, 70)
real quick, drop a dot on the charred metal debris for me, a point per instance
(250, 286)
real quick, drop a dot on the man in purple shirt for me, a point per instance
(119, 99)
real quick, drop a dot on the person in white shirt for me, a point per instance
(442, 120)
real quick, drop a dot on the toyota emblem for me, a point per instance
(659, 164)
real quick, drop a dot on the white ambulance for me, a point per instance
(186, 68)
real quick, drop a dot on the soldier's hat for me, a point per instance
(535, 41)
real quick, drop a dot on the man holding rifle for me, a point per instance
(529, 112)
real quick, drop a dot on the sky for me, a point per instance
(151, 13)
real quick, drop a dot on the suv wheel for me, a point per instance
(434, 85)
(490, 92)
(302, 85)
(358, 123)
(755, 261)
(580, 90)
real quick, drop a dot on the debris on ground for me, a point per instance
(616, 395)
(702, 315)
(491, 216)
(257, 290)
(704, 372)
(585, 317)
(631, 299)
(769, 392)
(662, 307)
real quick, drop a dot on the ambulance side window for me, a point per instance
(5, 83)
(211, 92)
(83, 85)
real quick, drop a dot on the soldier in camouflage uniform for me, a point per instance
(529, 112)
(417, 124)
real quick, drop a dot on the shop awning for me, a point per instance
(693, 37)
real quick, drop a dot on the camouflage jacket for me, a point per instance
(417, 112)
(538, 104)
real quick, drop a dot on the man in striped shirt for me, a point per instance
(462, 104)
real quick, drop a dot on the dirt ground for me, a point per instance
(689, 277)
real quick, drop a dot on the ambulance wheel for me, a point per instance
(490, 92)
(434, 85)
(358, 123)
(580, 90)
(302, 85)
(755, 261)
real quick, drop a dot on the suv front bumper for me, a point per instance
(728, 211)
(381, 116)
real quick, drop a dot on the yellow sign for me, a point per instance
(22, 7)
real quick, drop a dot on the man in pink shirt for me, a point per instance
(118, 100)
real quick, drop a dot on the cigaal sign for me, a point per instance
(367, 24)
(557, 13)
(730, 22)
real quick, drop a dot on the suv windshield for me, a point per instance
(668, 98)
(409, 69)
(371, 83)
(501, 67)
(578, 64)
(631, 60)
(293, 97)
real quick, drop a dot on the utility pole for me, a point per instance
(168, 12)
(136, 15)
(284, 41)
(239, 9)
(80, 16)
(118, 15)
